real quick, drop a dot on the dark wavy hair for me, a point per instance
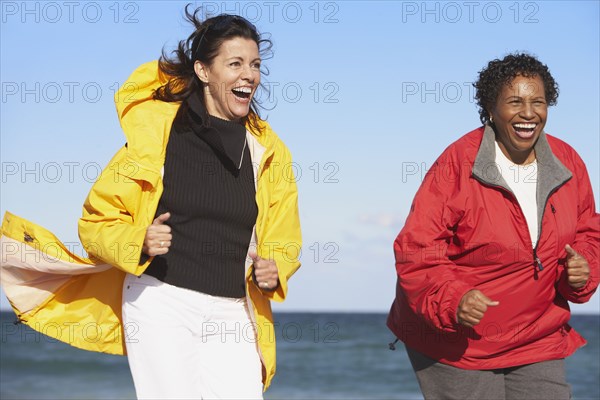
(500, 72)
(203, 45)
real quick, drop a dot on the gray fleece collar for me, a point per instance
(551, 172)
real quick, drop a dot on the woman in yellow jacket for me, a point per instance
(201, 332)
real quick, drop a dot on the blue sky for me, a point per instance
(365, 94)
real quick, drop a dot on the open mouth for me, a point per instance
(242, 92)
(525, 130)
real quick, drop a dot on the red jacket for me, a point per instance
(466, 231)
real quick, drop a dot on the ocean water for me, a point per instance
(320, 356)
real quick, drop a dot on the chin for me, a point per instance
(241, 114)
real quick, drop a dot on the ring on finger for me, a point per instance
(162, 243)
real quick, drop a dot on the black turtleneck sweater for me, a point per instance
(209, 191)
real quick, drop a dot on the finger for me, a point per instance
(571, 253)
(269, 278)
(574, 262)
(254, 256)
(475, 314)
(161, 218)
(468, 321)
(576, 265)
(491, 303)
(577, 283)
(267, 266)
(259, 273)
(576, 279)
(165, 237)
(163, 244)
(160, 232)
(486, 300)
(262, 274)
(264, 285)
(157, 251)
(468, 300)
(164, 228)
(575, 271)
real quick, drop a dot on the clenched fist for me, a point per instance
(578, 270)
(266, 273)
(158, 236)
(472, 307)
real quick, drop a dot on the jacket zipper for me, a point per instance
(537, 263)
(536, 259)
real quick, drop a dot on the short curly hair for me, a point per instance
(500, 72)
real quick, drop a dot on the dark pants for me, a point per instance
(542, 380)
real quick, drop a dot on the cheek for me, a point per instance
(503, 120)
(502, 115)
(507, 114)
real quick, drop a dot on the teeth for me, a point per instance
(525, 126)
(243, 90)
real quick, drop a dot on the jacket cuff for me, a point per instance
(577, 295)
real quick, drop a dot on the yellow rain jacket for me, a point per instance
(78, 300)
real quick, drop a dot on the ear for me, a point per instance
(201, 71)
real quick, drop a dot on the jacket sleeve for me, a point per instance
(107, 229)
(587, 237)
(427, 277)
(282, 238)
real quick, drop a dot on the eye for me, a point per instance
(256, 65)
(235, 64)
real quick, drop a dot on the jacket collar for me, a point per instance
(147, 125)
(551, 173)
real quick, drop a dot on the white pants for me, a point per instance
(183, 344)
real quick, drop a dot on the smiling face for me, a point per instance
(519, 116)
(231, 79)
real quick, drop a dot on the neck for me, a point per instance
(518, 157)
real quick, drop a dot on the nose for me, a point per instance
(247, 74)
(527, 111)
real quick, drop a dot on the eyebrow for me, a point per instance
(514, 97)
(241, 59)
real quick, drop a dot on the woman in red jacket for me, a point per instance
(502, 233)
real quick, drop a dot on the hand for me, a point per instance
(472, 307)
(266, 273)
(578, 270)
(158, 236)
